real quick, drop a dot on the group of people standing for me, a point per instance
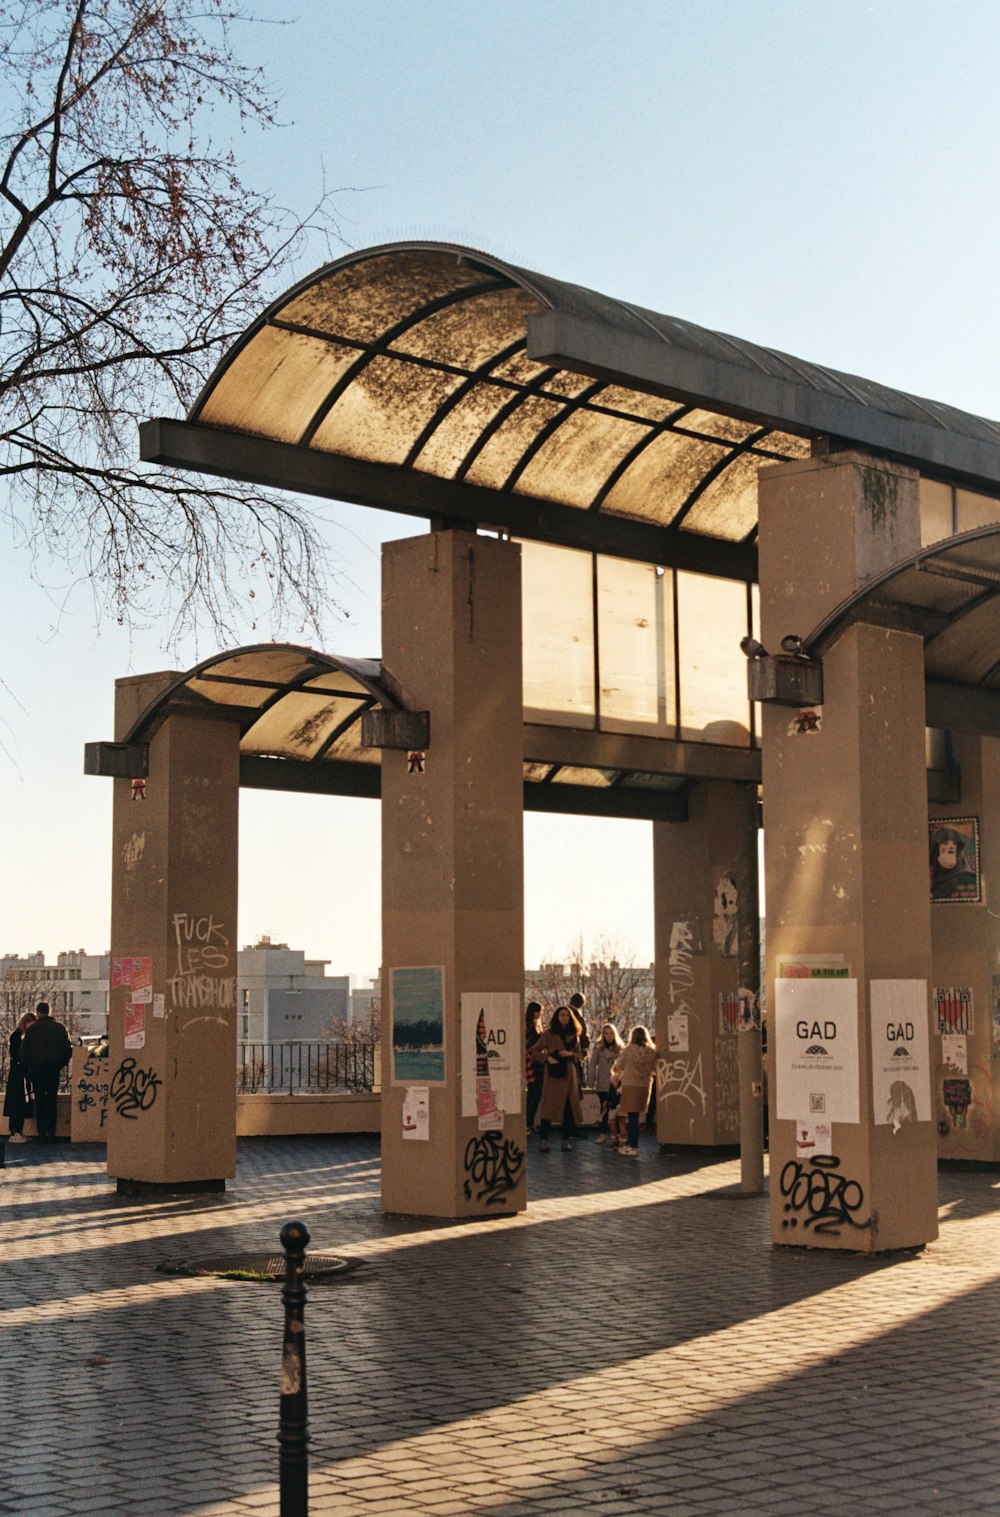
(560, 1054)
(39, 1050)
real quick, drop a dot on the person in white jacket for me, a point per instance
(602, 1061)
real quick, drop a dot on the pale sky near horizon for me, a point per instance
(817, 177)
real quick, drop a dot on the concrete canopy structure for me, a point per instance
(647, 472)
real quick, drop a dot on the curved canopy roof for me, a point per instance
(948, 594)
(299, 713)
(440, 381)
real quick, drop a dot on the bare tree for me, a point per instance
(131, 255)
(618, 990)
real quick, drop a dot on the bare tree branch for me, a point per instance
(132, 254)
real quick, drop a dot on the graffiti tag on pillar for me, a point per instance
(202, 957)
(680, 975)
(683, 1078)
(133, 1090)
(494, 1163)
(820, 1197)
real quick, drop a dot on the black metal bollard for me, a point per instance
(293, 1421)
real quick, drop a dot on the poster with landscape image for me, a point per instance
(418, 1025)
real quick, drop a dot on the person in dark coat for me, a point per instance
(45, 1051)
(17, 1096)
(533, 1072)
(558, 1052)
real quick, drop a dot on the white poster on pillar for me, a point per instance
(901, 1070)
(492, 1066)
(816, 1050)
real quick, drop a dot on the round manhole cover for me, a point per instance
(262, 1267)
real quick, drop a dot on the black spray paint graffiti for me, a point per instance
(493, 1163)
(92, 1088)
(133, 1090)
(829, 1200)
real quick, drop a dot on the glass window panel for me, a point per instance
(224, 694)
(712, 423)
(506, 448)
(785, 444)
(383, 411)
(279, 665)
(935, 511)
(558, 632)
(658, 482)
(595, 778)
(572, 466)
(712, 617)
(635, 611)
(449, 443)
(297, 725)
(728, 506)
(275, 386)
(473, 330)
(363, 300)
(635, 403)
(972, 510)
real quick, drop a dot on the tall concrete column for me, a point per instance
(699, 869)
(453, 1125)
(172, 1004)
(965, 1011)
(845, 816)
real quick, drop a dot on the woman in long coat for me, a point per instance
(18, 1092)
(558, 1051)
(635, 1068)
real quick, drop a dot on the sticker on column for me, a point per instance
(135, 1025)
(954, 1008)
(725, 921)
(416, 761)
(805, 721)
(813, 1138)
(159, 1008)
(955, 1052)
(677, 1032)
(955, 865)
(813, 966)
(958, 1098)
(142, 981)
(416, 1113)
(901, 1074)
(138, 790)
(749, 1010)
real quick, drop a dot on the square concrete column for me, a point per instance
(696, 883)
(172, 1003)
(852, 1140)
(453, 1127)
(965, 1004)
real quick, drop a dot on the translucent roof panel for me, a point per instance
(544, 408)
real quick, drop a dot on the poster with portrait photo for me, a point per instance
(955, 873)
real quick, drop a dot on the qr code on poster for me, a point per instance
(817, 1105)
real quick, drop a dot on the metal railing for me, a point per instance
(304, 1068)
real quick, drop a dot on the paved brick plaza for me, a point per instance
(633, 1344)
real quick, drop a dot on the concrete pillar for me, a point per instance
(172, 1005)
(698, 868)
(453, 1126)
(847, 907)
(965, 1003)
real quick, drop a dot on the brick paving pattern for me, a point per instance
(633, 1344)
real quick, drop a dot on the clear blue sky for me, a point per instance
(817, 177)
